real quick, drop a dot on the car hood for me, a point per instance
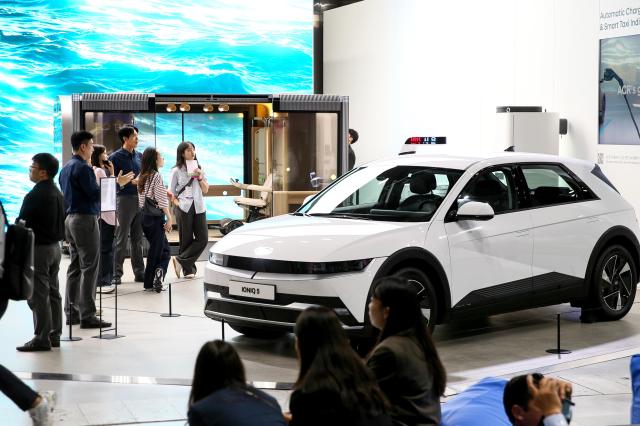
(320, 239)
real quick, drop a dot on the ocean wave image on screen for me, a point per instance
(52, 48)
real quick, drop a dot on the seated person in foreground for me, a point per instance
(405, 361)
(334, 387)
(220, 395)
(532, 400)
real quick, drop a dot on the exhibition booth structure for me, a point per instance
(283, 147)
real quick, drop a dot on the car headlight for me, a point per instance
(216, 258)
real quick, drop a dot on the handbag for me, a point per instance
(16, 273)
(150, 206)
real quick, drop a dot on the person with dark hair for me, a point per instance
(82, 203)
(48, 229)
(150, 187)
(353, 138)
(103, 168)
(127, 159)
(532, 400)
(405, 361)
(334, 387)
(220, 395)
(40, 406)
(188, 188)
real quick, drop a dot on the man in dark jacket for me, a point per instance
(127, 160)
(43, 212)
(82, 203)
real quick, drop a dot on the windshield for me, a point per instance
(397, 194)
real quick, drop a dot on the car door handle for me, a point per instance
(593, 219)
(524, 233)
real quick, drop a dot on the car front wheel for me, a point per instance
(614, 283)
(426, 293)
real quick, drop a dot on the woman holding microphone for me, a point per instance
(188, 186)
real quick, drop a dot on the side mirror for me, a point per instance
(474, 210)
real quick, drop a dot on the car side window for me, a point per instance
(493, 186)
(551, 184)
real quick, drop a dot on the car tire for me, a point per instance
(613, 284)
(426, 291)
(257, 332)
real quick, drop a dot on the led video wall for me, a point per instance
(153, 46)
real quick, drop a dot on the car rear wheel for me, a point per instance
(613, 283)
(426, 293)
(257, 332)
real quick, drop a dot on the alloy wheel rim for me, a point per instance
(425, 303)
(616, 281)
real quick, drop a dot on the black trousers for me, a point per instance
(159, 254)
(194, 236)
(15, 389)
(106, 253)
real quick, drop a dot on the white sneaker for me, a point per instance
(106, 289)
(42, 414)
(190, 276)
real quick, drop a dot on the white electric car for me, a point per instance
(473, 235)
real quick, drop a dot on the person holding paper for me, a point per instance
(82, 204)
(103, 168)
(188, 186)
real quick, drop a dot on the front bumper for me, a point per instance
(345, 293)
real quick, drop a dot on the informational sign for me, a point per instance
(108, 194)
(619, 84)
(426, 140)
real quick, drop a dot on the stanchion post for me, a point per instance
(70, 338)
(170, 314)
(558, 349)
(222, 324)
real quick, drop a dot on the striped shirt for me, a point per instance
(154, 189)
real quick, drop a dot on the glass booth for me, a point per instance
(296, 142)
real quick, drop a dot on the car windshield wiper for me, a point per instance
(342, 215)
(298, 214)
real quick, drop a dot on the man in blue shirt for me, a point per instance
(127, 160)
(82, 205)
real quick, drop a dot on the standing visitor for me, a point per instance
(82, 203)
(188, 186)
(43, 212)
(125, 160)
(103, 168)
(156, 219)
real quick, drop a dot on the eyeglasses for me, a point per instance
(32, 167)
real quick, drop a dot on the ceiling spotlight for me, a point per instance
(223, 107)
(171, 107)
(184, 107)
(207, 108)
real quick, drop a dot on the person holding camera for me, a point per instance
(103, 168)
(532, 399)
